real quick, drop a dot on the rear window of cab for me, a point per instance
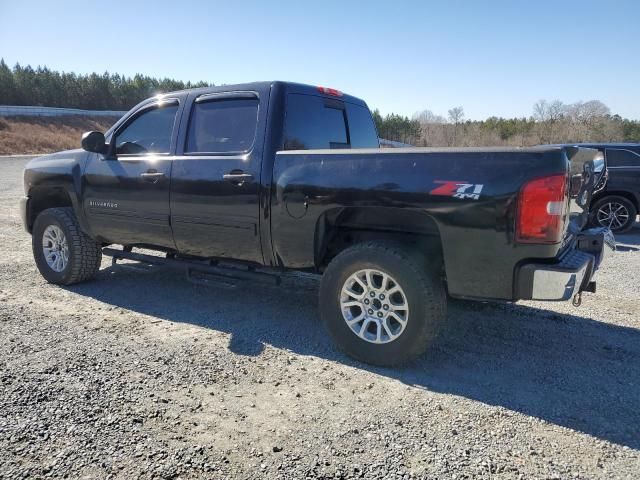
(314, 122)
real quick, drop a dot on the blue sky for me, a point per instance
(491, 57)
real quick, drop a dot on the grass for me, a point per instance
(25, 135)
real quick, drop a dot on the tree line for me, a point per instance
(49, 88)
(550, 122)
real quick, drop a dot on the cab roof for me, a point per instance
(290, 87)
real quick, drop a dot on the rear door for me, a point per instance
(215, 181)
(126, 192)
(624, 170)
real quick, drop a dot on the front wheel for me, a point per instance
(64, 254)
(615, 212)
(381, 303)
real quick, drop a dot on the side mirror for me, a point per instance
(94, 142)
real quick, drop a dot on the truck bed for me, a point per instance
(410, 190)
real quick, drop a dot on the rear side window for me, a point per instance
(149, 132)
(221, 126)
(362, 130)
(314, 123)
(622, 158)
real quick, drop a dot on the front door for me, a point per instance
(126, 191)
(215, 181)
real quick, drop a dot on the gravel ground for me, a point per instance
(141, 374)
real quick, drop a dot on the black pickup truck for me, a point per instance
(275, 176)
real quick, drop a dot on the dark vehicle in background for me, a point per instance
(616, 201)
(253, 180)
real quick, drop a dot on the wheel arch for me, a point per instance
(44, 197)
(633, 198)
(340, 228)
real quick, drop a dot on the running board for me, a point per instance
(191, 266)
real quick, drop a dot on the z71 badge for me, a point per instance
(457, 189)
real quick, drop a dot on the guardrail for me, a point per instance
(392, 144)
(17, 110)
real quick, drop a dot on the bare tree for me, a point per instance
(555, 111)
(433, 128)
(585, 120)
(587, 112)
(427, 116)
(456, 116)
(551, 112)
(540, 110)
(548, 114)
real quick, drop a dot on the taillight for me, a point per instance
(330, 91)
(542, 206)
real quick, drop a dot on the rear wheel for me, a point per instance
(64, 254)
(615, 212)
(381, 303)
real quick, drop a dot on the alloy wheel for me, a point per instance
(613, 215)
(55, 248)
(374, 306)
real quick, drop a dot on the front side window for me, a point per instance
(314, 123)
(149, 132)
(622, 158)
(222, 126)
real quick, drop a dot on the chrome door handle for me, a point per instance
(238, 178)
(152, 176)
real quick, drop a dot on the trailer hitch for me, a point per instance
(577, 299)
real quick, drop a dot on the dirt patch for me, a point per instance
(27, 135)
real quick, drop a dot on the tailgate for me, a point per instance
(582, 250)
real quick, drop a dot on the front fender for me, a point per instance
(50, 179)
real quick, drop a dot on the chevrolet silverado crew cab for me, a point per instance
(263, 178)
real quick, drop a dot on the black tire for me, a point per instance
(425, 296)
(85, 253)
(596, 219)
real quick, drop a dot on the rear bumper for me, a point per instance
(571, 273)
